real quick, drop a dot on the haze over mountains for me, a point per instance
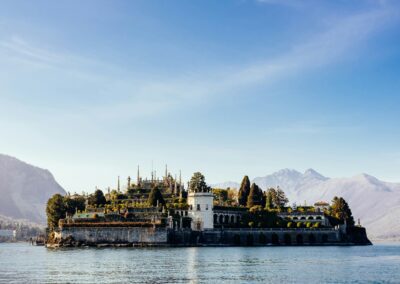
(25, 189)
(375, 202)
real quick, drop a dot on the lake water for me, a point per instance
(22, 263)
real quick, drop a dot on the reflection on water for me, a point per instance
(21, 263)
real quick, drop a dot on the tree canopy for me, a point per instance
(155, 197)
(341, 210)
(255, 196)
(73, 204)
(275, 198)
(97, 198)
(244, 191)
(198, 183)
(55, 210)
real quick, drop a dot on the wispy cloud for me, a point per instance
(341, 39)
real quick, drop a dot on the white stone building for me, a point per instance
(201, 210)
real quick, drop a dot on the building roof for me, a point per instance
(321, 203)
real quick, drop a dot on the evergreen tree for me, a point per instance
(271, 200)
(281, 199)
(97, 198)
(155, 196)
(255, 196)
(269, 205)
(341, 210)
(244, 191)
(198, 183)
(55, 210)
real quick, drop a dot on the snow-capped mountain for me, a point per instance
(25, 189)
(376, 203)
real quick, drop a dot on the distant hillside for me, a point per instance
(375, 202)
(230, 184)
(25, 189)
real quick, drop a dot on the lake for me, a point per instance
(22, 263)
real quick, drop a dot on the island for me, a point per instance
(163, 212)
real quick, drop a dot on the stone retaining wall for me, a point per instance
(96, 235)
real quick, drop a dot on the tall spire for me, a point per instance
(138, 176)
(118, 187)
(166, 171)
(175, 187)
(129, 183)
(180, 178)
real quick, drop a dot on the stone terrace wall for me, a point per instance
(97, 235)
(245, 237)
(257, 237)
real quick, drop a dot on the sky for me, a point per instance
(92, 89)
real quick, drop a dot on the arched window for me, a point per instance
(275, 239)
(310, 218)
(215, 218)
(288, 239)
(232, 219)
(249, 240)
(299, 239)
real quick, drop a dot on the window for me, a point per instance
(206, 206)
(191, 207)
(198, 207)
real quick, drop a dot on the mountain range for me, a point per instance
(376, 203)
(25, 189)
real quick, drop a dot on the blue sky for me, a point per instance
(91, 89)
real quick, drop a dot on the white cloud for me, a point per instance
(136, 95)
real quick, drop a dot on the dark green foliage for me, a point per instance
(341, 210)
(220, 195)
(97, 199)
(275, 199)
(55, 210)
(255, 196)
(155, 197)
(281, 199)
(73, 204)
(198, 183)
(260, 217)
(269, 205)
(244, 191)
